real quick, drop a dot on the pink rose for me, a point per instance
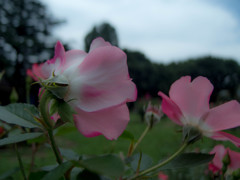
(220, 152)
(188, 105)
(96, 84)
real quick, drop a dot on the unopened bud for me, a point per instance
(153, 114)
(13, 96)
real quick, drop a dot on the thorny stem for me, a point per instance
(139, 140)
(54, 147)
(44, 109)
(185, 144)
(20, 162)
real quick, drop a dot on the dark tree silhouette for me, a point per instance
(25, 37)
(106, 31)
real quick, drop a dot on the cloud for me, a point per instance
(164, 30)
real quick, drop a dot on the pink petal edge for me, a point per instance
(224, 116)
(191, 97)
(171, 109)
(223, 136)
(110, 122)
(98, 42)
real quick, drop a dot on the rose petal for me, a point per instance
(170, 108)
(59, 57)
(219, 152)
(225, 116)
(223, 136)
(103, 80)
(191, 97)
(109, 122)
(31, 74)
(234, 159)
(98, 42)
(73, 59)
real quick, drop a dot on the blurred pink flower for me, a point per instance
(220, 152)
(162, 176)
(98, 86)
(188, 105)
(153, 113)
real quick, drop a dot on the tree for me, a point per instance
(25, 37)
(106, 31)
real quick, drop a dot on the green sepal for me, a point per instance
(191, 134)
(57, 85)
(64, 110)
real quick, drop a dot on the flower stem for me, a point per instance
(44, 109)
(54, 147)
(20, 162)
(139, 140)
(185, 144)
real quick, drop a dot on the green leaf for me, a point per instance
(58, 172)
(146, 161)
(40, 139)
(19, 138)
(188, 160)
(127, 135)
(65, 111)
(68, 128)
(9, 173)
(110, 165)
(69, 154)
(20, 114)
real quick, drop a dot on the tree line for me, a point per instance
(26, 37)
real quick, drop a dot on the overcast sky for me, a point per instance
(164, 30)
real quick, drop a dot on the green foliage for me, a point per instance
(188, 160)
(7, 175)
(69, 154)
(110, 165)
(58, 172)
(13, 96)
(19, 138)
(20, 114)
(127, 135)
(151, 77)
(141, 161)
(25, 33)
(65, 111)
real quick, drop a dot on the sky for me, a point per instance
(164, 30)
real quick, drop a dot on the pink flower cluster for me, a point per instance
(220, 153)
(188, 105)
(98, 86)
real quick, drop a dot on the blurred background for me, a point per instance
(163, 40)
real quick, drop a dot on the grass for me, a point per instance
(163, 140)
